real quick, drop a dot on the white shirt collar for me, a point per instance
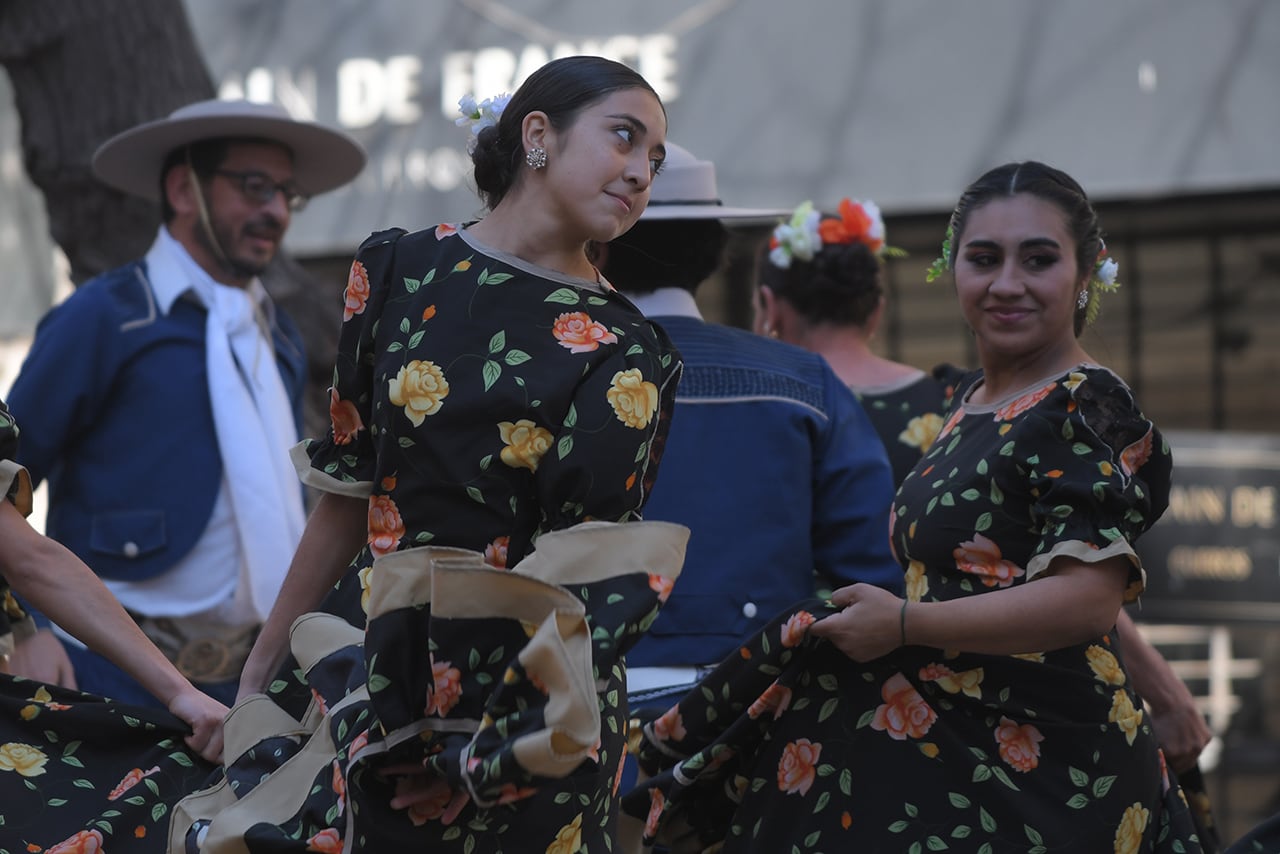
(173, 273)
(666, 302)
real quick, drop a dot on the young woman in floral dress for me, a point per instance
(990, 710)
(496, 408)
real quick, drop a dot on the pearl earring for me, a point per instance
(1083, 299)
(536, 158)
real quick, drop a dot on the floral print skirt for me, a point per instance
(791, 746)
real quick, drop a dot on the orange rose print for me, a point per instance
(445, 229)
(327, 841)
(904, 713)
(981, 557)
(952, 421)
(1022, 404)
(656, 803)
(339, 786)
(622, 767)
(662, 585)
(509, 793)
(670, 726)
(1136, 455)
(345, 419)
(794, 629)
(357, 292)
(580, 334)
(426, 810)
(84, 842)
(386, 528)
(130, 780)
(495, 554)
(1019, 745)
(357, 744)
(447, 690)
(776, 698)
(798, 767)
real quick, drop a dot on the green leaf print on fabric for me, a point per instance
(563, 296)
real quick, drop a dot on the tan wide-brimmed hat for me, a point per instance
(323, 158)
(686, 189)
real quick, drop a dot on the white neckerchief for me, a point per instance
(252, 418)
(665, 302)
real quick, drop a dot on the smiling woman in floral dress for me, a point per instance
(990, 710)
(491, 394)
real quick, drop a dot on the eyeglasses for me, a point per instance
(259, 188)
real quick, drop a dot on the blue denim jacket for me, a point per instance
(775, 468)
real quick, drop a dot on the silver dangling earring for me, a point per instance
(536, 158)
(1083, 299)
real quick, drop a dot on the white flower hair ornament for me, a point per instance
(481, 115)
(1105, 270)
(808, 231)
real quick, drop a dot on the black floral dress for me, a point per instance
(77, 771)
(483, 407)
(908, 415)
(791, 746)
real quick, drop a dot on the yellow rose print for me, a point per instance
(525, 442)
(917, 581)
(1132, 826)
(633, 398)
(1104, 665)
(23, 758)
(1124, 715)
(420, 387)
(569, 839)
(921, 431)
(365, 585)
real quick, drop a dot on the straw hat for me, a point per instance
(686, 189)
(323, 158)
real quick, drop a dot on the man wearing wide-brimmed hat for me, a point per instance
(770, 461)
(160, 400)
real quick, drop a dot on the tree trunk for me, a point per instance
(84, 70)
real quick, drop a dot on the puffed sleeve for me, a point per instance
(605, 455)
(1100, 475)
(344, 461)
(13, 477)
(17, 484)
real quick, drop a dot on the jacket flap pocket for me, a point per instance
(131, 534)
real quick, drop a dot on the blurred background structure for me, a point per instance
(1165, 110)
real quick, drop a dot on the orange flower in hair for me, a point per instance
(859, 222)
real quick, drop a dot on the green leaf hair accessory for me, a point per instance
(940, 265)
(1103, 281)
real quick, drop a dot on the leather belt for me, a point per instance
(200, 652)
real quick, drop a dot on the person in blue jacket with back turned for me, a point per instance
(770, 461)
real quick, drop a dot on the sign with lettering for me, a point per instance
(1214, 556)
